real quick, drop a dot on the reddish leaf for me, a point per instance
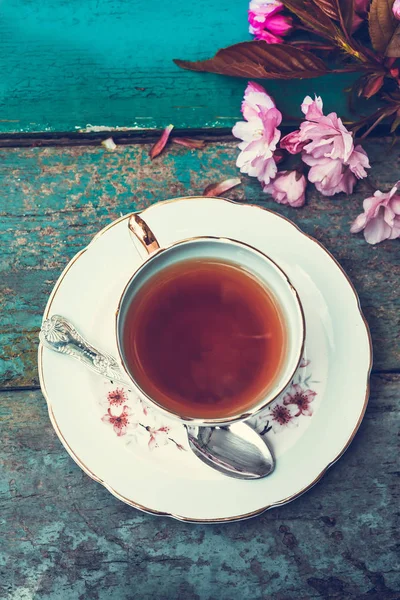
(347, 11)
(339, 10)
(188, 142)
(260, 60)
(216, 189)
(329, 7)
(313, 17)
(395, 124)
(384, 29)
(160, 145)
(372, 85)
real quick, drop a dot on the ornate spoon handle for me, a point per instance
(57, 333)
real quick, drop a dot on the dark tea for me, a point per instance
(204, 339)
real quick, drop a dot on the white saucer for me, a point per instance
(142, 457)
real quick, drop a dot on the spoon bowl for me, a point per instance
(237, 451)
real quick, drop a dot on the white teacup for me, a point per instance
(224, 250)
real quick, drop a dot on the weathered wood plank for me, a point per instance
(64, 536)
(65, 65)
(55, 199)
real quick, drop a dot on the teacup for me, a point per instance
(161, 264)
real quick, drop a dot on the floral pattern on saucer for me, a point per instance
(129, 416)
(139, 423)
(291, 406)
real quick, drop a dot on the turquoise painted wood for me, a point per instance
(68, 64)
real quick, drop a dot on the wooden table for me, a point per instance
(63, 536)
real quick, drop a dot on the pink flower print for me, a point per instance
(280, 416)
(117, 397)
(120, 422)
(396, 9)
(301, 398)
(158, 437)
(304, 363)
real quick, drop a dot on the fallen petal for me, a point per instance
(188, 142)
(160, 145)
(109, 144)
(216, 189)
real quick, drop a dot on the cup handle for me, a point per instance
(142, 232)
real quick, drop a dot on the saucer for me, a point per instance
(142, 456)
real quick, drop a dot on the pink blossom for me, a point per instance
(260, 134)
(328, 148)
(301, 398)
(265, 23)
(288, 187)
(119, 422)
(255, 97)
(381, 217)
(312, 109)
(327, 136)
(333, 176)
(281, 416)
(117, 397)
(292, 142)
(158, 437)
(396, 9)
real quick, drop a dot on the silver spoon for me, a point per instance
(237, 451)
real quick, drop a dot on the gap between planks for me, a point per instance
(134, 136)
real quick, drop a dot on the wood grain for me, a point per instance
(65, 537)
(67, 65)
(55, 199)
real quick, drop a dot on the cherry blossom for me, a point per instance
(381, 217)
(117, 397)
(119, 422)
(301, 398)
(260, 134)
(265, 22)
(288, 187)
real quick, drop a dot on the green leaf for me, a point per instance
(384, 28)
(260, 60)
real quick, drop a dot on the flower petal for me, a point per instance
(216, 189)
(312, 109)
(248, 131)
(160, 144)
(188, 142)
(377, 230)
(109, 144)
